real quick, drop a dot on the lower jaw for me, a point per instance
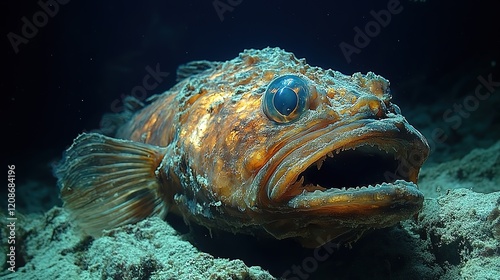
(370, 199)
(344, 215)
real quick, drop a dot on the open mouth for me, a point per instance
(336, 179)
(362, 166)
(367, 164)
(359, 178)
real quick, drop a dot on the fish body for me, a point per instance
(263, 144)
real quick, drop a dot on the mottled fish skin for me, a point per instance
(219, 158)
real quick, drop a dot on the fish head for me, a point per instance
(329, 156)
(300, 151)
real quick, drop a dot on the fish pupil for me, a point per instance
(285, 101)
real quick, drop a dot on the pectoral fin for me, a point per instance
(107, 182)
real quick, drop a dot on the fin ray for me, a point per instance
(195, 67)
(107, 182)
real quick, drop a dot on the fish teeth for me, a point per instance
(319, 162)
(300, 181)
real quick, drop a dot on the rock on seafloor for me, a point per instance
(151, 249)
(478, 171)
(455, 236)
(461, 230)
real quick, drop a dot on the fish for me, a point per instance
(263, 144)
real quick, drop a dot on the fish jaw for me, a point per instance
(342, 179)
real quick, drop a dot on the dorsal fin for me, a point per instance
(195, 67)
(107, 182)
(110, 122)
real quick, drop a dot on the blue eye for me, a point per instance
(285, 99)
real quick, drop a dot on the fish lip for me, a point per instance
(401, 195)
(392, 135)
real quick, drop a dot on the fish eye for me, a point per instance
(285, 99)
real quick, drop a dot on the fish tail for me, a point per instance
(107, 182)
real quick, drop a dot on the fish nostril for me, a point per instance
(372, 103)
(379, 110)
(377, 107)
